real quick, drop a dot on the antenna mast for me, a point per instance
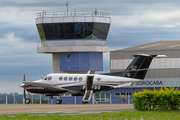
(67, 8)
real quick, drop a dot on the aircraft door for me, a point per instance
(88, 89)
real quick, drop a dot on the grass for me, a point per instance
(123, 115)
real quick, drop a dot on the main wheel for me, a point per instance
(84, 102)
(27, 101)
(58, 101)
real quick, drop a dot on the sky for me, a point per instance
(133, 22)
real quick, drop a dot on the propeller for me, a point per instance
(24, 93)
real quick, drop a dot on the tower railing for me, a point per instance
(56, 43)
(73, 13)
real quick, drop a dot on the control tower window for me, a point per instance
(75, 30)
(68, 57)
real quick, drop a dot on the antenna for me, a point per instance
(67, 8)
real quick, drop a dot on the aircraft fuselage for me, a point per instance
(76, 83)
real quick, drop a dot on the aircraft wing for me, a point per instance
(45, 86)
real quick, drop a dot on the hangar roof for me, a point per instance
(160, 45)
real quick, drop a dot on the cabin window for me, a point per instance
(98, 79)
(68, 57)
(80, 78)
(65, 78)
(49, 77)
(102, 97)
(70, 78)
(60, 78)
(75, 78)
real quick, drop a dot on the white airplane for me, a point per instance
(56, 84)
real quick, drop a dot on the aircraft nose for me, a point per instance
(22, 85)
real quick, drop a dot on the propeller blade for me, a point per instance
(24, 78)
(24, 93)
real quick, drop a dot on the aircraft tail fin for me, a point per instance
(139, 66)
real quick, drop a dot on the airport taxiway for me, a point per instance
(13, 109)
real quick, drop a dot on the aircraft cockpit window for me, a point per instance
(45, 78)
(98, 79)
(80, 78)
(49, 77)
(60, 78)
(75, 78)
(65, 78)
(70, 78)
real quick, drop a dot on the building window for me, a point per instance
(104, 97)
(60, 78)
(118, 94)
(68, 57)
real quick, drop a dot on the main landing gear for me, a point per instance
(59, 101)
(27, 101)
(84, 102)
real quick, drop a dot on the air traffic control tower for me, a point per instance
(76, 40)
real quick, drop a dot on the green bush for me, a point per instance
(162, 100)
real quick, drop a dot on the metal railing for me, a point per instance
(70, 42)
(72, 13)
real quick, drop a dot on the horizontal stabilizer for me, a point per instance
(124, 85)
(161, 56)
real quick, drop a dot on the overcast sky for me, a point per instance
(133, 22)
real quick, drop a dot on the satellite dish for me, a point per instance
(123, 98)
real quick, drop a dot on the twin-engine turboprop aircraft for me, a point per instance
(85, 84)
